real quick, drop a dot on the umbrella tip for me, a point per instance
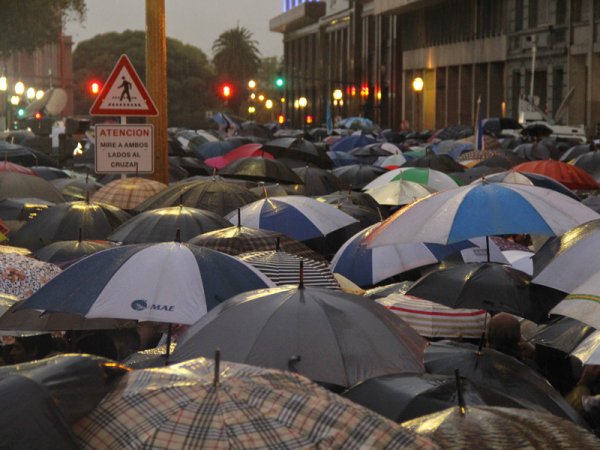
(462, 407)
(80, 235)
(178, 235)
(217, 368)
(301, 275)
(292, 363)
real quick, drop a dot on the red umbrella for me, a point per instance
(245, 151)
(571, 176)
(7, 166)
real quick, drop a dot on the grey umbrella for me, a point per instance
(329, 336)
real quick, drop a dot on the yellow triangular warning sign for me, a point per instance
(123, 94)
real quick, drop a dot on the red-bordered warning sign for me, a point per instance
(123, 94)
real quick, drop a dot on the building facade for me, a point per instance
(464, 50)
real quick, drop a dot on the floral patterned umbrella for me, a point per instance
(21, 275)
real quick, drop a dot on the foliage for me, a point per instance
(236, 59)
(30, 24)
(190, 77)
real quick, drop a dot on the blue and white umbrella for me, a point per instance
(368, 266)
(169, 282)
(482, 210)
(296, 216)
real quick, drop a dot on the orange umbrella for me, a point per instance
(571, 176)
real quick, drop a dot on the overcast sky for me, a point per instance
(195, 22)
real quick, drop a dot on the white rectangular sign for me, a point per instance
(124, 148)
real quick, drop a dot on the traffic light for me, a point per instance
(309, 119)
(94, 88)
(21, 112)
(38, 115)
(281, 119)
(279, 81)
(226, 91)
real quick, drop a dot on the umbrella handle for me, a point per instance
(217, 368)
(462, 407)
(169, 337)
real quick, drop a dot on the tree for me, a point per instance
(190, 77)
(28, 25)
(237, 59)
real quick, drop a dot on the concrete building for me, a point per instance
(462, 49)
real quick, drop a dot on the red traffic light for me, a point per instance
(281, 119)
(38, 115)
(226, 90)
(309, 119)
(94, 88)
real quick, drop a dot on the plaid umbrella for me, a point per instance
(284, 268)
(237, 239)
(197, 405)
(500, 428)
(127, 193)
(21, 275)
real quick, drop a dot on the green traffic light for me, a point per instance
(21, 112)
(279, 82)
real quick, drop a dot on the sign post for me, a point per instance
(124, 148)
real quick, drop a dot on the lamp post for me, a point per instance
(4, 100)
(417, 86)
(338, 101)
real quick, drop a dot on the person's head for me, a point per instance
(504, 334)
(30, 348)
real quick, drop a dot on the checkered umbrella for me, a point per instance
(203, 404)
(237, 239)
(127, 193)
(284, 268)
(21, 275)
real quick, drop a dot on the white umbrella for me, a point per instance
(432, 178)
(399, 192)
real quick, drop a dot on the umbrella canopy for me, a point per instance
(432, 320)
(7, 166)
(400, 192)
(329, 336)
(297, 149)
(340, 159)
(530, 179)
(590, 162)
(163, 225)
(76, 188)
(190, 164)
(442, 163)
(24, 156)
(351, 197)
(498, 371)
(490, 286)
(50, 173)
(368, 266)
(127, 193)
(563, 334)
(69, 221)
(377, 149)
(432, 178)
(571, 176)
(245, 151)
(355, 140)
(357, 176)
(203, 404)
(14, 185)
(260, 169)
(317, 181)
(214, 195)
(298, 217)
(22, 208)
(568, 263)
(357, 123)
(500, 428)
(211, 149)
(237, 239)
(588, 351)
(404, 397)
(64, 253)
(21, 275)
(482, 210)
(284, 268)
(392, 160)
(574, 152)
(167, 282)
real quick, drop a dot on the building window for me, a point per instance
(576, 11)
(519, 7)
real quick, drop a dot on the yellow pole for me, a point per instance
(156, 83)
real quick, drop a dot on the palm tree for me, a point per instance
(237, 59)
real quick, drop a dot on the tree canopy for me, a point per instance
(28, 25)
(190, 77)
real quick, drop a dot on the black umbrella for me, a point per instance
(329, 336)
(22, 208)
(14, 185)
(49, 173)
(504, 161)
(353, 197)
(214, 195)
(474, 173)
(593, 201)
(192, 165)
(443, 163)
(491, 286)
(498, 371)
(537, 131)
(24, 155)
(575, 151)
(260, 169)
(317, 181)
(298, 149)
(562, 334)
(69, 221)
(65, 253)
(402, 397)
(357, 176)
(163, 224)
(76, 188)
(590, 162)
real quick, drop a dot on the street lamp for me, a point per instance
(252, 84)
(30, 93)
(417, 86)
(19, 88)
(302, 102)
(3, 99)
